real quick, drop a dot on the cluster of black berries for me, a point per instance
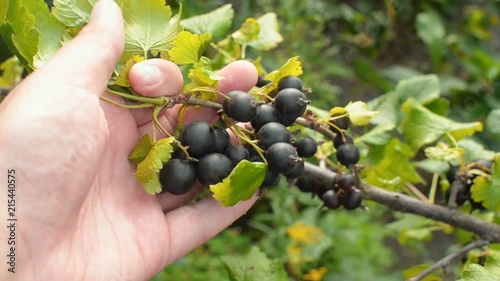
(216, 155)
(461, 182)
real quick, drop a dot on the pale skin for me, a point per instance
(81, 213)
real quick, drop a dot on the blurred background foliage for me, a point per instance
(358, 50)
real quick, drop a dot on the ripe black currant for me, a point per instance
(331, 200)
(290, 103)
(213, 168)
(227, 98)
(266, 113)
(222, 139)
(199, 136)
(237, 154)
(341, 139)
(290, 82)
(345, 181)
(282, 157)
(348, 154)
(306, 147)
(272, 133)
(177, 176)
(305, 184)
(271, 178)
(242, 107)
(261, 82)
(351, 200)
(342, 123)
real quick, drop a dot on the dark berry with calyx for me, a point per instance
(222, 139)
(290, 103)
(342, 123)
(237, 154)
(272, 133)
(261, 82)
(199, 136)
(290, 81)
(331, 200)
(345, 181)
(177, 176)
(341, 139)
(351, 200)
(282, 157)
(296, 171)
(213, 168)
(306, 147)
(348, 154)
(483, 163)
(265, 114)
(227, 98)
(271, 178)
(242, 107)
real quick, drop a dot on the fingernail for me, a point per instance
(99, 9)
(150, 74)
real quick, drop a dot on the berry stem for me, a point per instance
(155, 101)
(241, 136)
(131, 106)
(432, 192)
(223, 52)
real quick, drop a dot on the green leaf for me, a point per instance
(421, 126)
(269, 35)
(216, 22)
(416, 270)
(388, 107)
(147, 170)
(492, 122)
(431, 30)
(395, 169)
(369, 74)
(433, 166)
(440, 106)
(11, 71)
(490, 271)
(488, 190)
(248, 32)
(359, 114)
(291, 67)
(4, 5)
(31, 32)
(241, 184)
(475, 150)
(149, 28)
(423, 88)
(379, 135)
(122, 78)
(189, 47)
(73, 13)
(141, 150)
(254, 266)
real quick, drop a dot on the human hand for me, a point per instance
(81, 213)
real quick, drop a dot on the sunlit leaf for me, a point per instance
(269, 35)
(424, 88)
(141, 149)
(241, 184)
(359, 114)
(73, 13)
(421, 126)
(248, 32)
(11, 71)
(291, 67)
(489, 272)
(188, 47)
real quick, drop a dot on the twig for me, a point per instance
(417, 192)
(404, 203)
(449, 258)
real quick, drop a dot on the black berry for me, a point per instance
(348, 154)
(282, 157)
(272, 133)
(290, 82)
(177, 176)
(199, 137)
(306, 147)
(290, 103)
(213, 168)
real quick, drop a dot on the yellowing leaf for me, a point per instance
(269, 35)
(11, 71)
(421, 126)
(141, 150)
(337, 111)
(249, 31)
(241, 184)
(189, 47)
(147, 170)
(202, 75)
(149, 28)
(291, 67)
(488, 190)
(359, 114)
(122, 78)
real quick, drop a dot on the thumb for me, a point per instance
(88, 60)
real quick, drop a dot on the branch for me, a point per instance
(449, 258)
(400, 202)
